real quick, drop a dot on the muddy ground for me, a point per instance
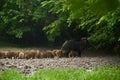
(88, 61)
(28, 66)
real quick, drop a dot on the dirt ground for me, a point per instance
(28, 66)
(88, 61)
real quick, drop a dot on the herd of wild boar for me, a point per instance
(70, 48)
(31, 54)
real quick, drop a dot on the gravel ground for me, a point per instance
(28, 66)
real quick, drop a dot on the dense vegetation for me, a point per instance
(104, 73)
(38, 21)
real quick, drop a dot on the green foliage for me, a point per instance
(52, 30)
(104, 73)
(100, 18)
(19, 16)
(58, 20)
(107, 31)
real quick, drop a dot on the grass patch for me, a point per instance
(11, 75)
(101, 73)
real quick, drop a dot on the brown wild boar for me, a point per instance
(38, 54)
(21, 55)
(2, 54)
(73, 54)
(12, 54)
(48, 54)
(74, 45)
(57, 53)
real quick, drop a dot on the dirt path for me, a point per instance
(31, 65)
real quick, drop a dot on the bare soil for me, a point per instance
(28, 66)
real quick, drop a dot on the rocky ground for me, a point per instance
(27, 66)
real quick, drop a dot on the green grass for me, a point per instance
(101, 73)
